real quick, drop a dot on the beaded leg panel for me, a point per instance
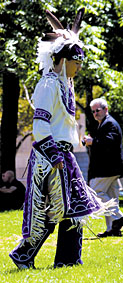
(25, 252)
(69, 245)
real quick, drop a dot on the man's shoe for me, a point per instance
(117, 224)
(116, 233)
(103, 235)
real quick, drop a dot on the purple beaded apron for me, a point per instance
(77, 198)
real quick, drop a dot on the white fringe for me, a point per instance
(106, 209)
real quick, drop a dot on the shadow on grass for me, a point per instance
(92, 238)
(17, 270)
(37, 269)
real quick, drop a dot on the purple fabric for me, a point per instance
(78, 197)
(73, 52)
(76, 53)
(42, 114)
(27, 211)
(47, 147)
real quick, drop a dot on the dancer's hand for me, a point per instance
(59, 165)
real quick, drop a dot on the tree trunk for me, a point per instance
(9, 121)
(0, 156)
(91, 123)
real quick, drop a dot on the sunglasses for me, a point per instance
(97, 110)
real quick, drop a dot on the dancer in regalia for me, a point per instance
(56, 191)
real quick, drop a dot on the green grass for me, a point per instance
(103, 260)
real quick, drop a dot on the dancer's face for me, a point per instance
(72, 68)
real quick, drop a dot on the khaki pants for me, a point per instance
(107, 188)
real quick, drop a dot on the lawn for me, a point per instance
(103, 260)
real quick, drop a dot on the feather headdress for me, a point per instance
(53, 43)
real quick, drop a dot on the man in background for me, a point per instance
(12, 193)
(106, 162)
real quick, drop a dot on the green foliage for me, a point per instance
(115, 96)
(19, 33)
(103, 260)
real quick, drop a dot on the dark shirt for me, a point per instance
(15, 199)
(106, 158)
